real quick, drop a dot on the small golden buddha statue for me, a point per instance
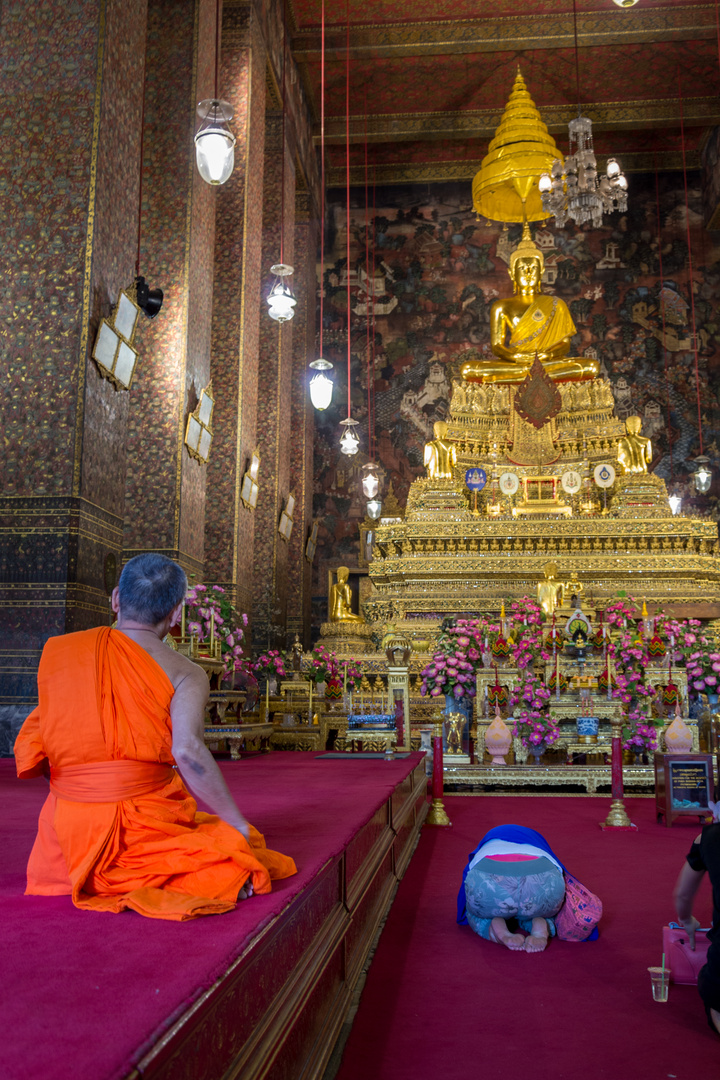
(527, 324)
(634, 450)
(550, 591)
(440, 455)
(341, 599)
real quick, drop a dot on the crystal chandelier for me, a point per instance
(573, 190)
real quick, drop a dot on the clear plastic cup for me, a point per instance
(660, 978)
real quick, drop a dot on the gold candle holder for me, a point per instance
(618, 816)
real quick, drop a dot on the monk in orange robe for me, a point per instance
(118, 728)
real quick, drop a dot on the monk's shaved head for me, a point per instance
(150, 587)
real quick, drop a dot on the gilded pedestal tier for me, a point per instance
(443, 558)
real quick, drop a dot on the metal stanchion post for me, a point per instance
(436, 814)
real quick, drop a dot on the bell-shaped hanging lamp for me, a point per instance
(675, 503)
(214, 141)
(321, 386)
(370, 480)
(349, 442)
(374, 509)
(703, 474)
(281, 302)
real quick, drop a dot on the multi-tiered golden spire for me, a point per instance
(506, 188)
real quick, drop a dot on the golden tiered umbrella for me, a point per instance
(506, 188)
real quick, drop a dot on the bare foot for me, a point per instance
(246, 891)
(500, 933)
(537, 939)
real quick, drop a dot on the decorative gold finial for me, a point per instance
(505, 188)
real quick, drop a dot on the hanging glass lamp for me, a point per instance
(214, 141)
(349, 442)
(321, 386)
(281, 302)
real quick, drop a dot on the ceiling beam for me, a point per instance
(438, 171)
(482, 123)
(514, 33)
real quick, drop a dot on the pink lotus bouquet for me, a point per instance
(533, 725)
(455, 660)
(352, 672)
(526, 633)
(641, 735)
(209, 606)
(270, 665)
(323, 665)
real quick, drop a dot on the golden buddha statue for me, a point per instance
(440, 455)
(634, 450)
(527, 324)
(341, 599)
(550, 591)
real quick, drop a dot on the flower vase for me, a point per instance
(638, 757)
(320, 688)
(537, 752)
(678, 737)
(272, 685)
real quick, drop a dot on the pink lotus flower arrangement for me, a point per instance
(533, 725)
(209, 604)
(455, 661)
(323, 665)
(351, 672)
(641, 734)
(270, 665)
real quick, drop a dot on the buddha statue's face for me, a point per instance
(526, 274)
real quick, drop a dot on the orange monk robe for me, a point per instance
(119, 829)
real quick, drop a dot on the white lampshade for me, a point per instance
(321, 386)
(675, 503)
(703, 476)
(370, 480)
(625, 3)
(374, 509)
(613, 169)
(281, 302)
(214, 142)
(349, 443)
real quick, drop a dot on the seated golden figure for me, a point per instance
(440, 456)
(550, 591)
(341, 599)
(529, 323)
(634, 450)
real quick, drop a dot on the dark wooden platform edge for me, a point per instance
(278, 1009)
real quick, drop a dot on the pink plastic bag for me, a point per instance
(684, 964)
(580, 913)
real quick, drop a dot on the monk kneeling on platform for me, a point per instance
(118, 728)
(513, 875)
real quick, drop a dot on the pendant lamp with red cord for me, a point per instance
(214, 141)
(321, 385)
(281, 302)
(349, 442)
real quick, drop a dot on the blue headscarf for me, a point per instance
(514, 834)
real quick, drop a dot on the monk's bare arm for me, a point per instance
(196, 764)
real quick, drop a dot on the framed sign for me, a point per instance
(683, 785)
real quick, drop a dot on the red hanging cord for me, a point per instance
(370, 288)
(690, 266)
(374, 447)
(322, 173)
(282, 149)
(347, 186)
(662, 312)
(577, 59)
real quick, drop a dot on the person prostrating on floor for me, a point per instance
(704, 857)
(118, 728)
(514, 875)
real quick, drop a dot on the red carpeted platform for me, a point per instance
(262, 989)
(441, 1002)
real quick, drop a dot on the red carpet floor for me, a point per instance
(441, 1002)
(84, 994)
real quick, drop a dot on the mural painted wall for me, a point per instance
(423, 274)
